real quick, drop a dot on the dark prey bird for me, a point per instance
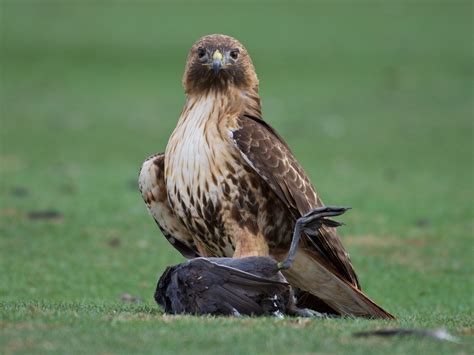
(224, 286)
(246, 286)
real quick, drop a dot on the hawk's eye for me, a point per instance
(234, 54)
(201, 52)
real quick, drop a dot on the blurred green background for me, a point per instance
(374, 97)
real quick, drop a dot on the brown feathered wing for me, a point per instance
(322, 266)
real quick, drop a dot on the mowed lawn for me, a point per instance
(374, 98)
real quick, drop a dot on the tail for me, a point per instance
(308, 274)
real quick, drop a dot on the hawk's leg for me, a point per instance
(249, 244)
(309, 223)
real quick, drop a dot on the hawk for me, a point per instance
(228, 185)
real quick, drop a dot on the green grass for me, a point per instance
(374, 98)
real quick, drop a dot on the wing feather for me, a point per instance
(266, 152)
(153, 190)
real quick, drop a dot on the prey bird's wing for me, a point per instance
(236, 276)
(237, 289)
(265, 151)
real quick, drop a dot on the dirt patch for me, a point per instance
(416, 242)
(19, 191)
(114, 242)
(168, 318)
(127, 317)
(45, 215)
(11, 163)
(466, 331)
(401, 251)
(26, 325)
(371, 240)
(126, 297)
(423, 223)
(298, 323)
(409, 259)
(383, 241)
(10, 212)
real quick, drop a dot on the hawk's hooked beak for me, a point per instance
(217, 61)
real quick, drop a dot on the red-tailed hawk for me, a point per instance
(229, 186)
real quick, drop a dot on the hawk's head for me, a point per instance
(218, 62)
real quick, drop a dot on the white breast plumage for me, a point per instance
(192, 153)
